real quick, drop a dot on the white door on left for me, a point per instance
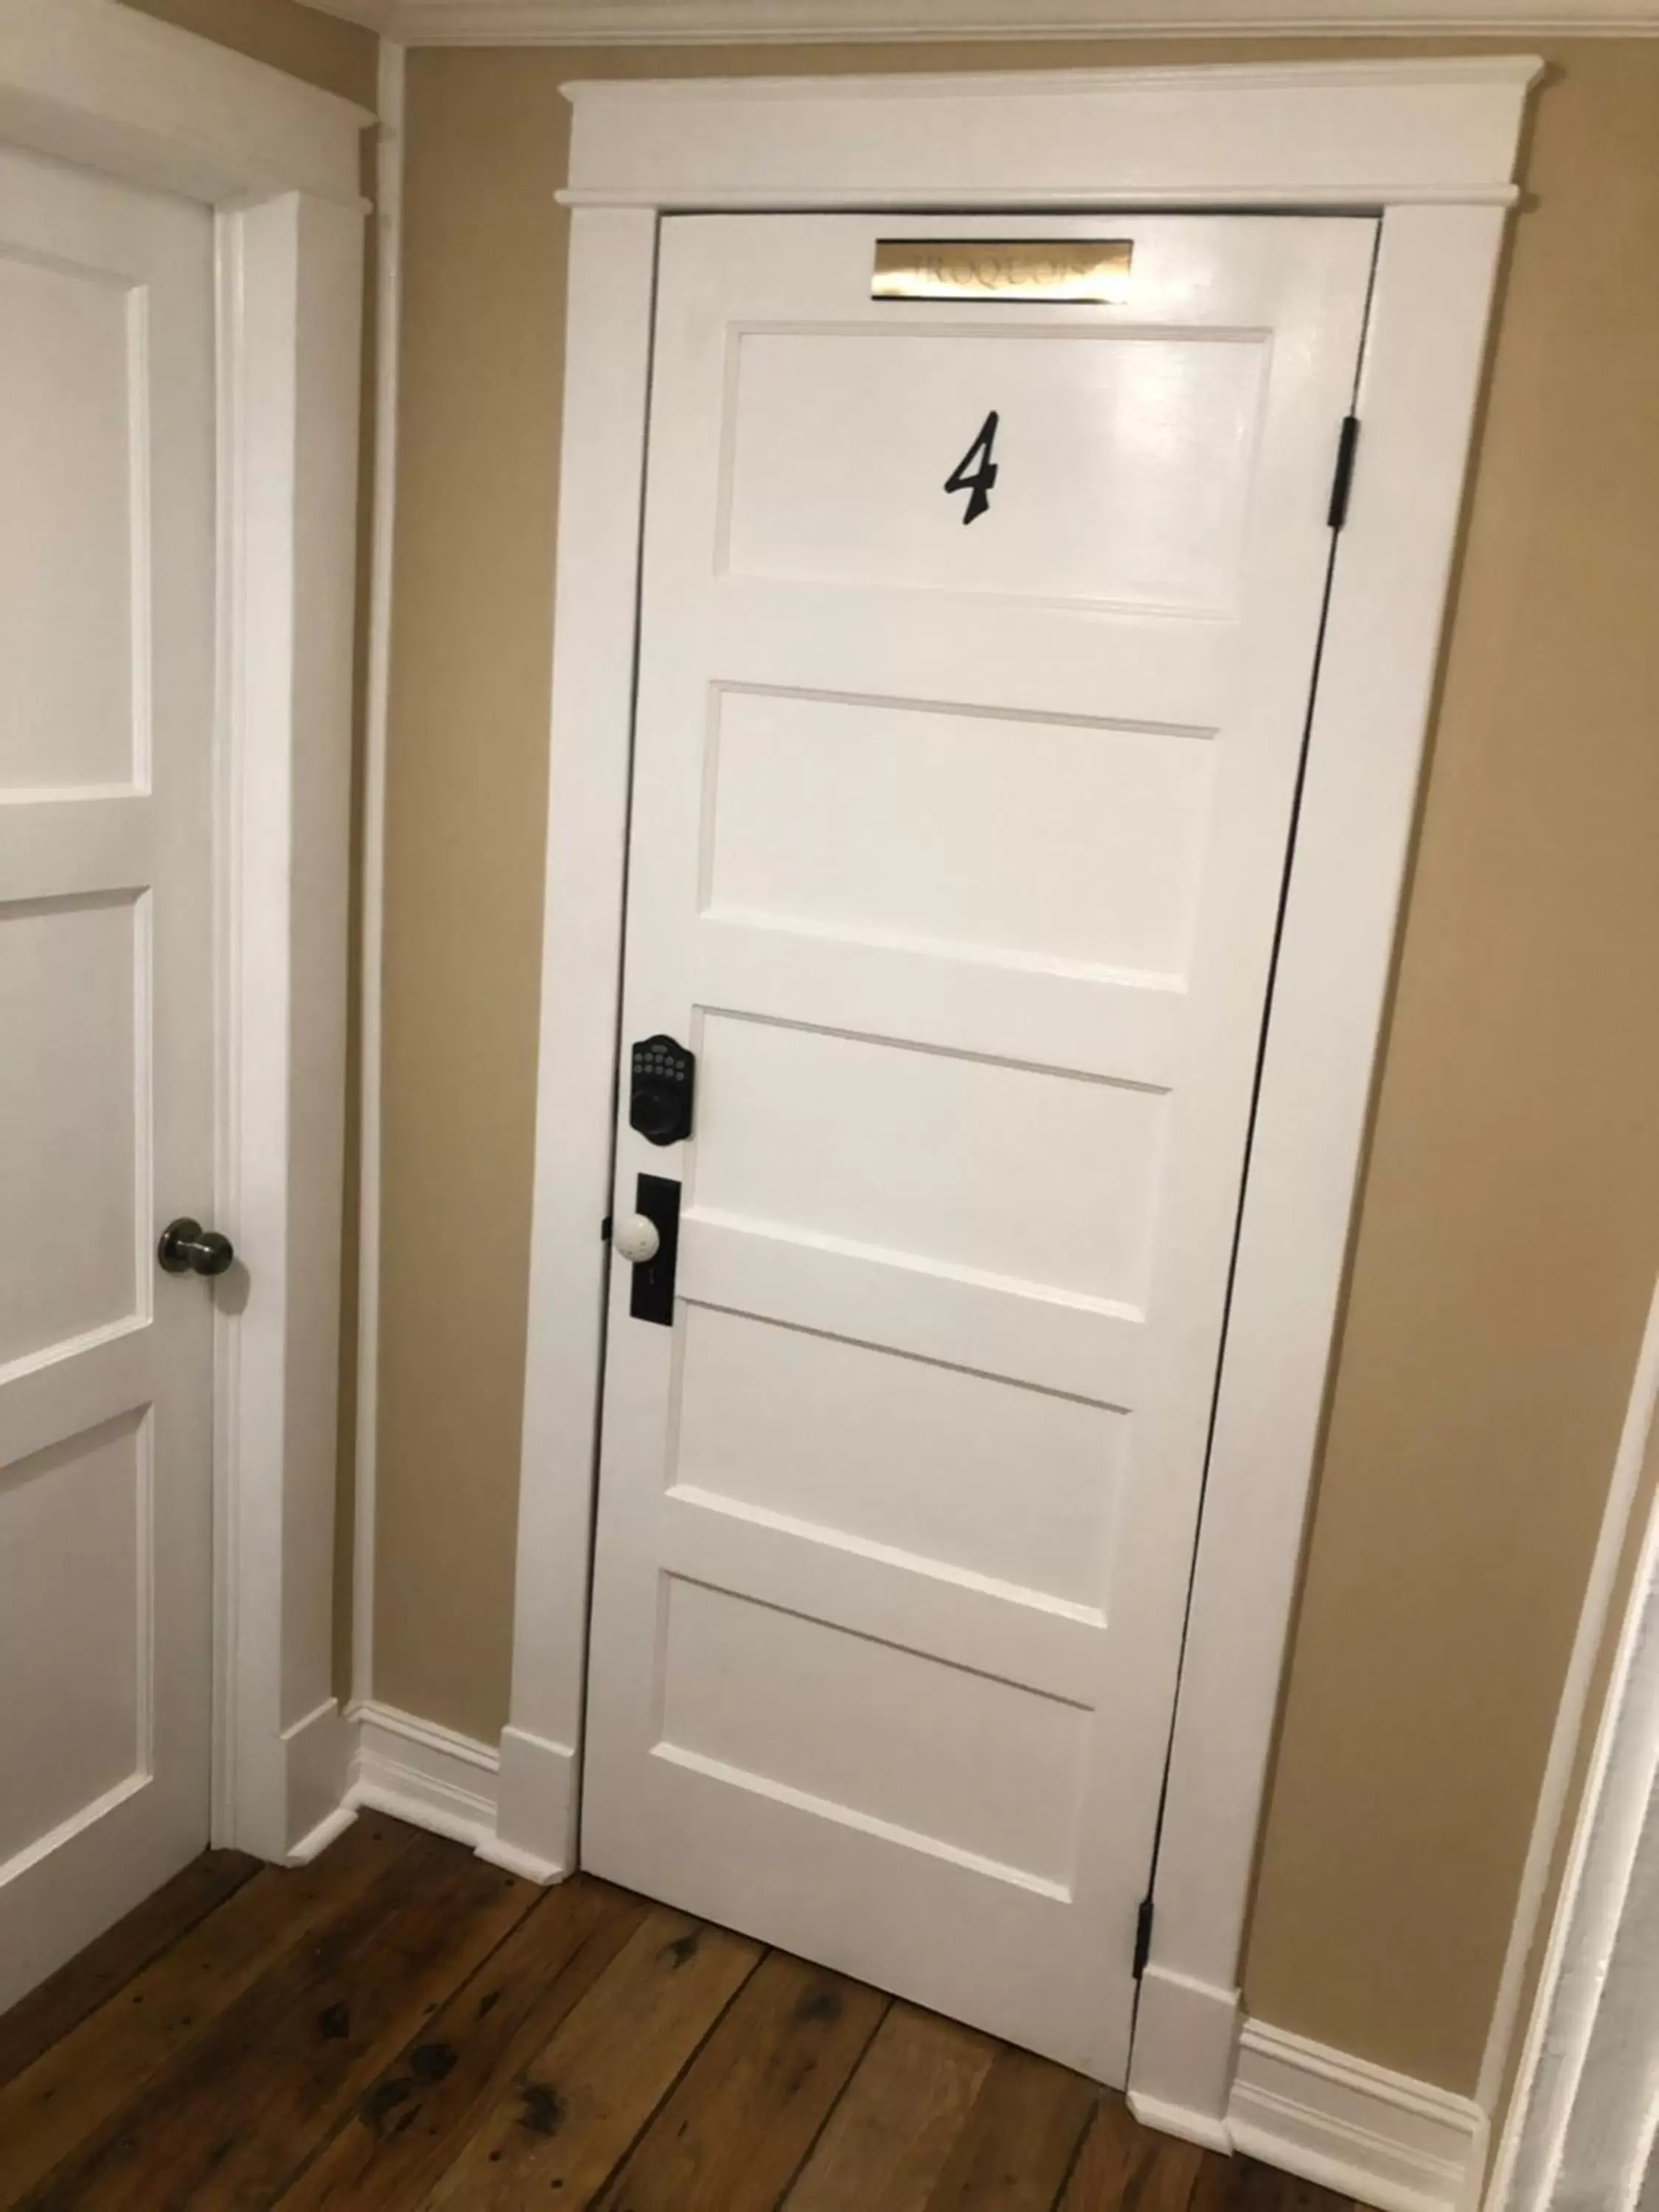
(106, 711)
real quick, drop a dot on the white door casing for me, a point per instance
(107, 613)
(959, 833)
(270, 166)
(1431, 145)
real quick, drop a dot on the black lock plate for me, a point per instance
(661, 1077)
(651, 1294)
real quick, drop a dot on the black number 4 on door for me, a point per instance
(977, 473)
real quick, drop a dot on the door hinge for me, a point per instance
(1347, 446)
(1142, 1937)
(605, 1230)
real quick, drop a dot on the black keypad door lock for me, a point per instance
(661, 1078)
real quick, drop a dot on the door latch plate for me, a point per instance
(651, 1294)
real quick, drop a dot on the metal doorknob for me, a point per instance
(187, 1249)
(637, 1238)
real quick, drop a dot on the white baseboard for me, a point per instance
(317, 1841)
(1182, 2120)
(514, 1808)
(1381, 2138)
(1400, 2145)
(422, 1773)
(1199, 2071)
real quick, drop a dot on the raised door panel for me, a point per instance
(1122, 465)
(871, 1735)
(940, 1159)
(73, 553)
(966, 1471)
(74, 1628)
(1070, 845)
(74, 982)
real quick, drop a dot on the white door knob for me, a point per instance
(636, 1238)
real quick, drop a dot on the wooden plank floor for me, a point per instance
(401, 2028)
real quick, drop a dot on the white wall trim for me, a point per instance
(1185, 2053)
(536, 1822)
(1357, 2128)
(431, 1776)
(388, 323)
(92, 83)
(318, 1751)
(373, 15)
(1447, 133)
(814, 23)
(1614, 1827)
(316, 1841)
(1328, 134)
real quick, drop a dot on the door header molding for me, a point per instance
(96, 84)
(1328, 134)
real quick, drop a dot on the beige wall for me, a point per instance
(1510, 1221)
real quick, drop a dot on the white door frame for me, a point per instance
(90, 82)
(1430, 147)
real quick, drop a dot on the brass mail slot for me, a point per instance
(1088, 269)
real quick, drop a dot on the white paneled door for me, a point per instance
(107, 672)
(978, 638)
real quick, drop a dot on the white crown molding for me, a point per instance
(373, 15)
(818, 22)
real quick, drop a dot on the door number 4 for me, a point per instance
(977, 473)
